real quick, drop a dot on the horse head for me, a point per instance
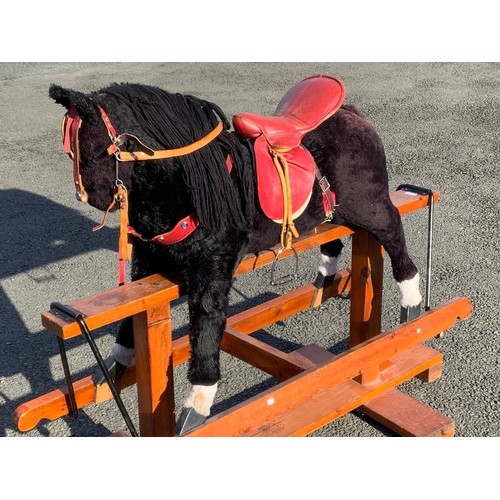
(95, 169)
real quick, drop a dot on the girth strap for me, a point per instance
(329, 196)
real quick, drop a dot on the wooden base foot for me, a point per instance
(407, 416)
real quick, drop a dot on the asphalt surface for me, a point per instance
(439, 123)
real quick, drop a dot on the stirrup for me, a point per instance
(287, 277)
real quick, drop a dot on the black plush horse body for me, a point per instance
(219, 204)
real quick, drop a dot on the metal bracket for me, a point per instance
(430, 194)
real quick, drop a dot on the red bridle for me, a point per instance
(70, 127)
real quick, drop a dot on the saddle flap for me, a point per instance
(302, 174)
(304, 107)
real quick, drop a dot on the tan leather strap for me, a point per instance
(288, 230)
(125, 241)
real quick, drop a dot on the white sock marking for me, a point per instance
(124, 355)
(409, 293)
(329, 265)
(201, 397)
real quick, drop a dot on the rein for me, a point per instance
(146, 153)
(70, 127)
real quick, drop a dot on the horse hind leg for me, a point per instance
(385, 224)
(328, 267)
(403, 268)
(404, 271)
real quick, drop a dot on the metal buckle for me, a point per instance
(324, 184)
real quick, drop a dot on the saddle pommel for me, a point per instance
(303, 108)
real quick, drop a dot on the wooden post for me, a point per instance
(154, 371)
(366, 288)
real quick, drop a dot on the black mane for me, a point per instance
(176, 120)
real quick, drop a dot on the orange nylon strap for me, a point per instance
(172, 153)
(147, 153)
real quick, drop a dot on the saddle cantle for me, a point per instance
(303, 108)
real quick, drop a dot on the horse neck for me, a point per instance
(158, 198)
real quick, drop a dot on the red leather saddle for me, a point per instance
(303, 108)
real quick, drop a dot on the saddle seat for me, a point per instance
(303, 108)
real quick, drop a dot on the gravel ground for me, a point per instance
(439, 123)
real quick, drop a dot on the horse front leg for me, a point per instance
(208, 300)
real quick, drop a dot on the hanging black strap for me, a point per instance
(78, 316)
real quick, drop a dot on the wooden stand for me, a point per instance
(317, 387)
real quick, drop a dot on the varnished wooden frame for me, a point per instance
(317, 387)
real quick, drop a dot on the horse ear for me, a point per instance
(69, 98)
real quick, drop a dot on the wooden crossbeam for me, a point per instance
(407, 416)
(133, 298)
(296, 393)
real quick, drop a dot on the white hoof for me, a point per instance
(200, 398)
(329, 265)
(409, 293)
(124, 355)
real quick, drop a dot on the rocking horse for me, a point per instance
(196, 199)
